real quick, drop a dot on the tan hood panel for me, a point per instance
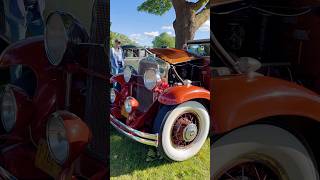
(172, 56)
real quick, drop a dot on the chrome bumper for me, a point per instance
(142, 137)
(6, 175)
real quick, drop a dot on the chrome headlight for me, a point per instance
(127, 73)
(57, 139)
(128, 105)
(151, 78)
(113, 95)
(8, 109)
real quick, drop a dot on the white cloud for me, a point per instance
(169, 27)
(151, 34)
(169, 32)
(205, 26)
(136, 37)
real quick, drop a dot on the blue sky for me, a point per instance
(143, 27)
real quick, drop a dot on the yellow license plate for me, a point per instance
(45, 162)
(124, 112)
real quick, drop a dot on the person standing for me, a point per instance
(117, 59)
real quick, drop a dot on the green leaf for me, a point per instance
(157, 7)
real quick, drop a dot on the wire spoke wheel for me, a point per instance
(185, 130)
(250, 170)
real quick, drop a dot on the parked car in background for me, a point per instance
(265, 89)
(133, 54)
(165, 103)
(199, 47)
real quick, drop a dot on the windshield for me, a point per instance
(199, 49)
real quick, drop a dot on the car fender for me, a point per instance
(243, 99)
(180, 94)
(119, 78)
(29, 52)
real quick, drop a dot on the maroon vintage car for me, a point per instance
(43, 133)
(165, 102)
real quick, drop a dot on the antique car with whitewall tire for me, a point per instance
(265, 85)
(165, 103)
(43, 132)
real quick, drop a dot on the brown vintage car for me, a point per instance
(265, 86)
(165, 103)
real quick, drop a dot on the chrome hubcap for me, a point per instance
(190, 132)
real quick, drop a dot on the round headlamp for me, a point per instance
(113, 95)
(127, 73)
(128, 105)
(151, 78)
(57, 139)
(8, 109)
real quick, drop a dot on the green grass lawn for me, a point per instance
(128, 160)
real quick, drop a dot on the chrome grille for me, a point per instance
(140, 92)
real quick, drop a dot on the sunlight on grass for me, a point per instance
(128, 161)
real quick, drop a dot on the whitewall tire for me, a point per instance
(183, 131)
(278, 151)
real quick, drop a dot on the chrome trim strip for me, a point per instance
(139, 133)
(144, 138)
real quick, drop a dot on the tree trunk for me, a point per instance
(189, 18)
(96, 102)
(185, 22)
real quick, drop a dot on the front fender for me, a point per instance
(240, 100)
(117, 79)
(29, 52)
(180, 94)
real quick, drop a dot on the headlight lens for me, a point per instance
(151, 78)
(57, 139)
(128, 105)
(112, 95)
(8, 109)
(56, 39)
(127, 73)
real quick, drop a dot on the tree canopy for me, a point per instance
(125, 40)
(157, 7)
(164, 39)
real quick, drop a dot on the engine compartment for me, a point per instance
(284, 40)
(192, 70)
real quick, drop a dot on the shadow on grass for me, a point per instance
(127, 155)
(128, 160)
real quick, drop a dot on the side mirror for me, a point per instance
(62, 36)
(248, 64)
